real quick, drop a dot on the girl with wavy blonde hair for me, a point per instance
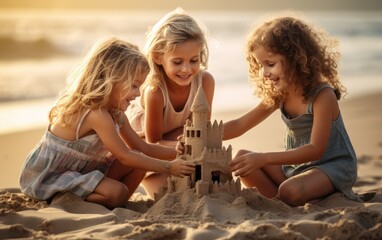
(89, 148)
(177, 52)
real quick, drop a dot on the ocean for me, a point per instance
(39, 48)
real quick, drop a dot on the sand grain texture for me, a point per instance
(217, 216)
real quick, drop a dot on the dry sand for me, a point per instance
(219, 216)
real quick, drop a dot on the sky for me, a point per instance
(250, 5)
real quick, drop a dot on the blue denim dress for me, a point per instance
(339, 161)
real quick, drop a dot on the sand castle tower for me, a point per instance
(203, 146)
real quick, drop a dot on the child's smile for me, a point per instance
(183, 63)
(271, 66)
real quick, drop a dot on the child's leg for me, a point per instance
(153, 183)
(266, 179)
(110, 193)
(305, 187)
(128, 176)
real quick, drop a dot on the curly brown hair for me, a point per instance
(311, 58)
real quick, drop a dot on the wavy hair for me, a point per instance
(311, 58)
(89, 86)
(174, 28)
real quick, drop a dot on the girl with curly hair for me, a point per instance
(294, 69)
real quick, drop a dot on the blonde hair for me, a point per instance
(174, 28)
(109, 62)
(311, 58)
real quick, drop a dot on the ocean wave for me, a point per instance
(14, 49)
(47, 45)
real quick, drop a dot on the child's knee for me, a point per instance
(241, 152)
(119, 196)
(291, 193)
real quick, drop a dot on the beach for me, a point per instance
(185, 215)
(40, 45)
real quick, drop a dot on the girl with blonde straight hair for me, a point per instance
(177, 52)
(89, 148)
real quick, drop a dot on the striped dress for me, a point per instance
(57, 165)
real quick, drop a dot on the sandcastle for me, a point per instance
(203, 146)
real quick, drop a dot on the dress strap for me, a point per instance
(80, 123)
(163, 89)
(200, 79)
(309, 108)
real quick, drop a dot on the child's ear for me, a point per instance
(157, 58)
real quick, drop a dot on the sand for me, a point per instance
(219, 216)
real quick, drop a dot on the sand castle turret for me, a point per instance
(203, 146)
(195, 132)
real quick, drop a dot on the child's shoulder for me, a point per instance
(325, 92)
(103, 117)
(325, 99)
(207, 79)
(153, 95)
(98, 114)
(207, 75)
(156, 91)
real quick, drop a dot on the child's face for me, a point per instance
(121, 96)
(182, 64)
(272, 67)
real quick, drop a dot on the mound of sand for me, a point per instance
(183, 215)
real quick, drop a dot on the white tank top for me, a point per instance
(172, 119)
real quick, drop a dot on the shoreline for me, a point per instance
(23, 115)
(362, 116)
(183, 215)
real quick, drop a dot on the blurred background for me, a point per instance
(42, 40)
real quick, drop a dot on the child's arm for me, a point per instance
(326, 110)
(135, 142)
(174, 134)
(154, 105)
(102, 123)
(239, 126)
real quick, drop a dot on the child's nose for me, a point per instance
(186, 67)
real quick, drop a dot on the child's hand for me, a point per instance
(181, 168)
(246, 164)
(180, 145)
